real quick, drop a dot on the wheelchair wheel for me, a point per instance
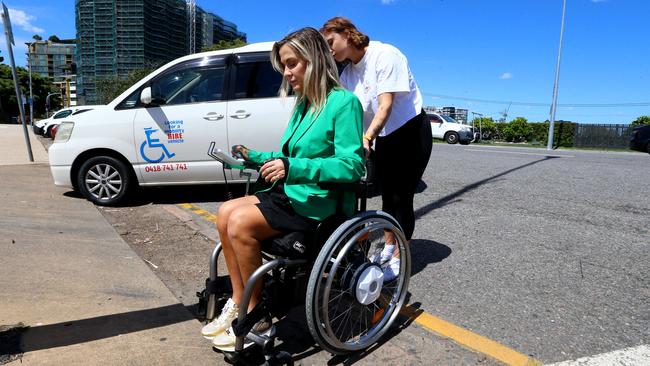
(349, 305)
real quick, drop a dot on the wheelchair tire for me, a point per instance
(338, 319)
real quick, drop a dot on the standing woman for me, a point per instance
(379, 75)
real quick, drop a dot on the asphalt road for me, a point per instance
(545, 253)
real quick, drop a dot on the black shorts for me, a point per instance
(297, 230)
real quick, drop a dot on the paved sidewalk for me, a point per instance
(72, 292)
(13, 148)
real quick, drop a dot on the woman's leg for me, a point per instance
(241, 235)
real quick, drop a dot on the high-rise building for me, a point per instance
(55, 60)
(460, 115)
(118, 36)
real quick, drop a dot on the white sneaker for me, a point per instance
(225, 341)
(222, 322)
(391, 271)
(385, 254)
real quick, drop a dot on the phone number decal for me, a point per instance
(154, 168)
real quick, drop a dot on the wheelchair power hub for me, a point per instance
(368, 281)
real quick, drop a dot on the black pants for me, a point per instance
(400, 160)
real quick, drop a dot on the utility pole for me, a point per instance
(551, 126)
(9, 36)
(31, 96)
(480, 122)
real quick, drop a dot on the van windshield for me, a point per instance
(448, 119)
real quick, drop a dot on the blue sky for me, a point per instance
(462, 52)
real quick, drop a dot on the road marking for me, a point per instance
(199, 211)
(468, 339)
(521, 153)
(633, 356)
(463, 337)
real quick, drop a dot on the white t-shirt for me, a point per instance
(383, 69)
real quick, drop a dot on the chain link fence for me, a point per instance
(602, 135)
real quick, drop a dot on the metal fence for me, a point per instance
(602, 135)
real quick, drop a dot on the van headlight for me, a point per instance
(64, 132)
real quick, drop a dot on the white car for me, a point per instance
(446, 128)
(158, 131)
(44, 127)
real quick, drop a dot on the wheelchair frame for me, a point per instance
(351, 237)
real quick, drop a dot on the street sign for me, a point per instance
(7, 21)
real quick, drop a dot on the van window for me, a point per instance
(435, 119)
(191, 85)
(257, 80)
(195, 81)
(62, 114)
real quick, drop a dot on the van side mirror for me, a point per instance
(145, 96)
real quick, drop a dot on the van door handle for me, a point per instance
(213, 116)
(240, 114)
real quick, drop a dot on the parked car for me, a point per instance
(158, 131)
(640, 139)
(446, 128)
(44, 126)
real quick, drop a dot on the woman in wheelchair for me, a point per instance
(322, 143)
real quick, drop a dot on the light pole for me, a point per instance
(480, 122)
(551, 126)
(31, 96)
(47, 103)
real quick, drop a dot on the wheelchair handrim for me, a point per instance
(381, 221)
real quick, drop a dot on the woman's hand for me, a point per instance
(239, 151)
(273, 171)
(366, 147)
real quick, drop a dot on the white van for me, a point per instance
(159, 130)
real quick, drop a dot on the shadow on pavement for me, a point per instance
(425, 252)
(453, 197)
(86, 330)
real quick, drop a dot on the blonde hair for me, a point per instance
(343, 25)
(321, 74)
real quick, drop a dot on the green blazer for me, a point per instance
(323, 147)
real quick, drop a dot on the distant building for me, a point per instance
(55, 60)
(458, 114)
(116, 37)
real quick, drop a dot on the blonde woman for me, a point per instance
(322, 143)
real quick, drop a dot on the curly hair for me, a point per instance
(342, 25)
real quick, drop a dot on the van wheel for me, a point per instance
(48, 133)
(103, 180)
(451, 137)
(647, 147)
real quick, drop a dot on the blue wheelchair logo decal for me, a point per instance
(153, 143)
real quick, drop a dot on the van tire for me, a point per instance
(104, 180)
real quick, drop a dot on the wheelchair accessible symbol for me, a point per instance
(153, 143)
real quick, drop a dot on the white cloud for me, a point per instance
(505, 76)
(386, 2)
(24, 21)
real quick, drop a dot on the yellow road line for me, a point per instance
(199, 211)
(462, 336)
(468, 339)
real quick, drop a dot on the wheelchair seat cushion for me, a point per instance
(293, 245)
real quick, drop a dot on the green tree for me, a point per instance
(517, 130)
(224, 44)
(486, 125)
(40, 88)
(643, 120)
(36, 37)
(109, 88)
(54, 38)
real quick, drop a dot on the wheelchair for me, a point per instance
(348, 305)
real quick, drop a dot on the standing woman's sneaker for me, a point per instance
(221, 323)
(391, 271)
(385, 255)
